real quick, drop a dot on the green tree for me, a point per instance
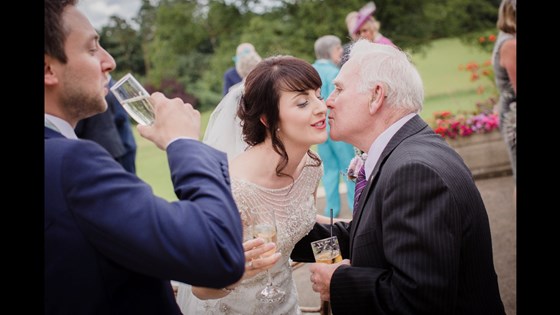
(146, 18)
(179, 32)
(192, 41)
(123, 43)
(224, 24)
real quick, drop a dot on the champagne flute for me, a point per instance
(135, 99)
(264, 226)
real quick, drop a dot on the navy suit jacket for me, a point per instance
(111, 245)
(101, 128)
(231, 78)
(419, 242)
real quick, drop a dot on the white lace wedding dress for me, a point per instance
(295, 216)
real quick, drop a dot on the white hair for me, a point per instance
(324, 46)
(390, 66)
(246, 63)
(244, 48)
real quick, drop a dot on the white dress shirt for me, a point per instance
(60, 125)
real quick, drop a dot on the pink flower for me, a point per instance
(453, 125)
(355, 165)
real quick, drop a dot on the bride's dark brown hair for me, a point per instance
(262, 96)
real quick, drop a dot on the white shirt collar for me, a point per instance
(61, 125)
(381, 142)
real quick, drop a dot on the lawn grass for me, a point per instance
(446, 88)
(152, 166)
(439, 67)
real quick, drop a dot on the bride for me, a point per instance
(282, 115)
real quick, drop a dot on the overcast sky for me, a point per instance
(99, 11)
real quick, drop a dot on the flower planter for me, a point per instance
(485, 154)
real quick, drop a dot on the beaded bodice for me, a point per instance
(294, 205)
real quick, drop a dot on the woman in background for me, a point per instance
(504, 59)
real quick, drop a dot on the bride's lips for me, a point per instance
(320, 124)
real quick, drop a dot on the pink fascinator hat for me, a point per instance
(363, 15)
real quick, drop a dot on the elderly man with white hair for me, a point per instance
(419, 241)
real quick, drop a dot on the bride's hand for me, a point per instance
(253, 249)
(254, 264)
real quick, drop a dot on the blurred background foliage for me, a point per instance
(183, 47)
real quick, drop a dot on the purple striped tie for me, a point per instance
(361, 183)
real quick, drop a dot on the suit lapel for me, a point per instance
(412, 127)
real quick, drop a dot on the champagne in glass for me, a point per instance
(135, 99)
(266, 232)
(264, 226)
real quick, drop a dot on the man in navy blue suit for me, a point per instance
(111, 245)
(419, 241)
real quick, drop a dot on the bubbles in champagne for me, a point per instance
(140, 109)
(266, 232)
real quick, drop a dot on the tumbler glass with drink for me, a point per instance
(327, 250)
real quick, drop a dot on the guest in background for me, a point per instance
(101, 128)
(124, 127)
(419, 241)
(336, 155)
(366, 26)
(111, 129)
(232, 76)
(363, 25)
(350, 22)
(223, 131)
(504, 59)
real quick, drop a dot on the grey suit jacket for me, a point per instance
(419, 241)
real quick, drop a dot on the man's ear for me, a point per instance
(50, 73)
(377, 98)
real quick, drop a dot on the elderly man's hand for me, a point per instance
(321, 275)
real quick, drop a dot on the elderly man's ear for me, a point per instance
(377, 98)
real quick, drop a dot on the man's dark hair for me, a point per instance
(55, 34)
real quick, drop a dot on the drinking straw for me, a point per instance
(331, 220)
(332, 241)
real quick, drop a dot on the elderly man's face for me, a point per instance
(348, 114)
